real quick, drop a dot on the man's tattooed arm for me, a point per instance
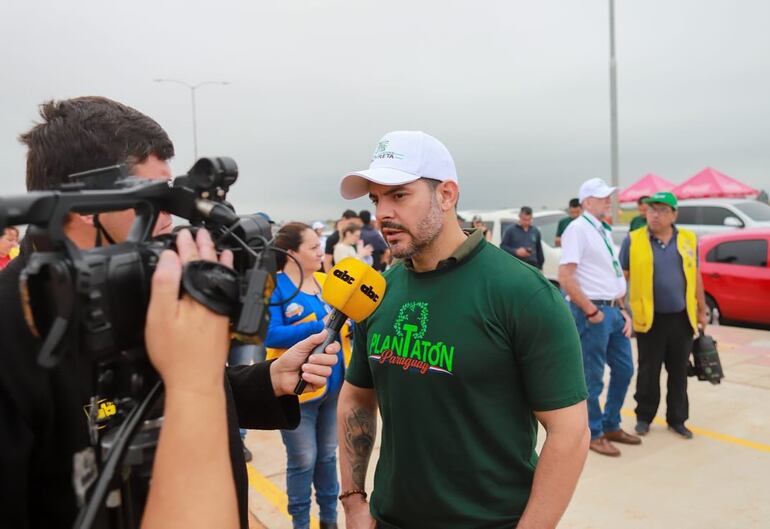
(360, 430)
(356, 431)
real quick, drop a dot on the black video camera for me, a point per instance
(90, 305)
(94, 302)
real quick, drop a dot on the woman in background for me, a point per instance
(311, 448)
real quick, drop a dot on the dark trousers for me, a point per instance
(668, 342)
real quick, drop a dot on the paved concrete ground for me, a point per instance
(720, 479)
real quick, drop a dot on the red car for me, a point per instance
(736, 276)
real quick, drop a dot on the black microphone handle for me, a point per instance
(333, 326)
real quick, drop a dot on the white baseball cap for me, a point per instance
(401, 157)
(595, 187)
(318, 225)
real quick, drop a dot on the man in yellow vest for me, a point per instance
(667, 302)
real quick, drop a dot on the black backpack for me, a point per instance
(705, 364)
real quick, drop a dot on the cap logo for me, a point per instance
(382, 152)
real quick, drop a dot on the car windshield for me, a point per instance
(505, 224)
(758, 211)
(547, 225)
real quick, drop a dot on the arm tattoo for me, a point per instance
(360, 430)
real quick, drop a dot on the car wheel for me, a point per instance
(712, 311)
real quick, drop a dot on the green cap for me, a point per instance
(663, 197)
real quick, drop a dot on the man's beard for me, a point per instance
(425, 234)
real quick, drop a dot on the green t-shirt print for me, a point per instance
(459, 359)
(407, 348)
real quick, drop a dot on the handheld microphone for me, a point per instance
(353, 289)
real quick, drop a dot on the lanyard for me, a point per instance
(615, 263)
(603, 234)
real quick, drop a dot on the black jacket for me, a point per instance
(516, 237)
(43, 423)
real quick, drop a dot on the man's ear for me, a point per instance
(80, 229)
(84, 219)
(448, 194)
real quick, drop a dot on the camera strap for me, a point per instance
(100, 230)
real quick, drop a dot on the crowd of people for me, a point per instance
(614, 293)
(355, 235)
(609, 304)
(469, 350)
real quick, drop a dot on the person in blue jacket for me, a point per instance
(311, 448)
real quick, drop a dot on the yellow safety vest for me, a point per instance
(345, 335)
(641, 271)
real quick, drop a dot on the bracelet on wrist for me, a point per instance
(594, 313)
(353, 492)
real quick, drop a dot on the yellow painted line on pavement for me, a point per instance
(277, 497)
(273, 494)
(717, 436)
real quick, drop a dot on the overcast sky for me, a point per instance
(517, 90)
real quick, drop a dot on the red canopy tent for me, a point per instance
(712, 183)
(648, 185)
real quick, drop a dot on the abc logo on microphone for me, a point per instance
(344, 276)
(369, 291)
(354, 288)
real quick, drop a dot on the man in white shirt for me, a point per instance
(591, 275)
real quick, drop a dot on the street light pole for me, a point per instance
(614, 114)
(192, 88)
(195, 123)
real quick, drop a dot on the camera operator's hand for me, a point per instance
(186, 342)
(284, 372)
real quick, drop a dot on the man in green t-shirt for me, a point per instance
(573, 212)
(640, 221)
(468, 351)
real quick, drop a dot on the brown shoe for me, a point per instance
(604, 447)
(622, 437)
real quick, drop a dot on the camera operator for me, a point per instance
(43, 426)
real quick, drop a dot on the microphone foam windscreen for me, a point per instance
(354, 288)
